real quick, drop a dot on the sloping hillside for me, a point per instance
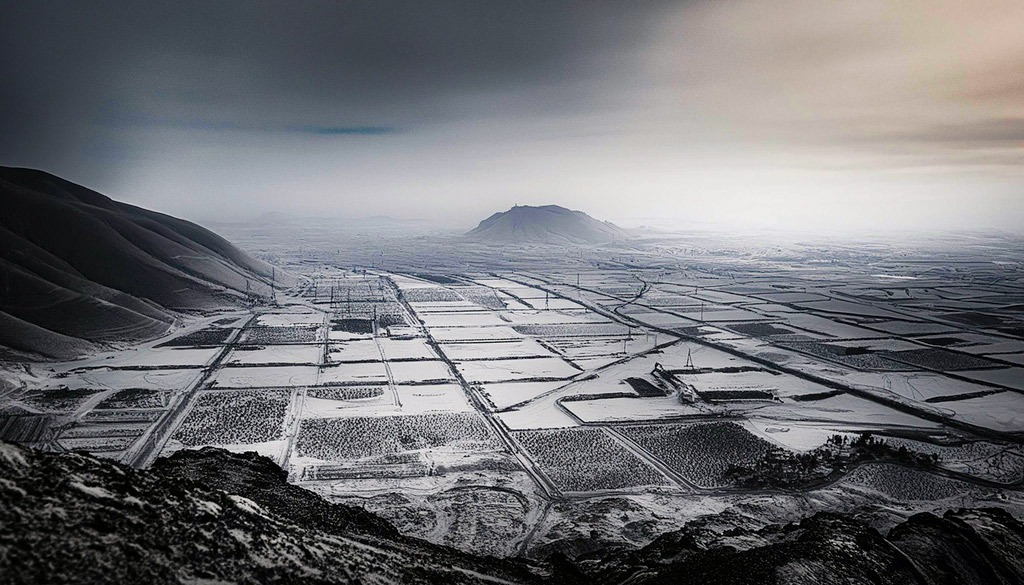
(77, 267)
(548, 224)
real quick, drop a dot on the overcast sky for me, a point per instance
(788, 113)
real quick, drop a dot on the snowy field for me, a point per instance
(791, 351)
(516, 369)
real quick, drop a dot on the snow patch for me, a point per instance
(247, 505)
(208, 506)
(94, 491)
(12, 455)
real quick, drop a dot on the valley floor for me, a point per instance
(591, 397)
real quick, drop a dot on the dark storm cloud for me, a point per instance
(325, 68)
(720, 109)
(133, 119)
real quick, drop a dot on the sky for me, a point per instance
(790, 114)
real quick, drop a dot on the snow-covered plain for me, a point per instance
(542, 353)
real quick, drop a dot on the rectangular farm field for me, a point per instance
(235, 417)
(574, 330)
(536, 369)
(433, 398)
(700, 453)
(357, 437)
(162, 357)
(203, 337)
(274, 354)
(354, 373)
(265, 376)
(420, 372)
(289, 319)
(357, 350)
(582, 460)
(482, 350)
(453, 334)
(474, 319)
(504, 395)
(135, 398)
(430, 294)
(939, 359)
(274, 335)
(406, 349)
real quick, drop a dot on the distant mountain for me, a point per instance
(212, 516)
(77, 267)
(547, 224)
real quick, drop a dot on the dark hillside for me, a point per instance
(75, 263)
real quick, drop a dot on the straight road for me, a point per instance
(542, 481)
(650, 459)
(154, 442)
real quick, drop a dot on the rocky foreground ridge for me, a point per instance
(211, 516)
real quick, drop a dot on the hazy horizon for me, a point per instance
(798, 115)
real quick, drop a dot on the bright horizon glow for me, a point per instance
(798, 115)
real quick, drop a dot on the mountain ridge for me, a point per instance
(78, 265)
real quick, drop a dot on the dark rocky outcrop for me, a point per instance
(74, 518)
(970, 546)
(214, 516)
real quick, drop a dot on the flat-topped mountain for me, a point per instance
(77, 267)
(546, 224)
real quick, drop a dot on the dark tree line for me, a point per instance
(782, 468)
